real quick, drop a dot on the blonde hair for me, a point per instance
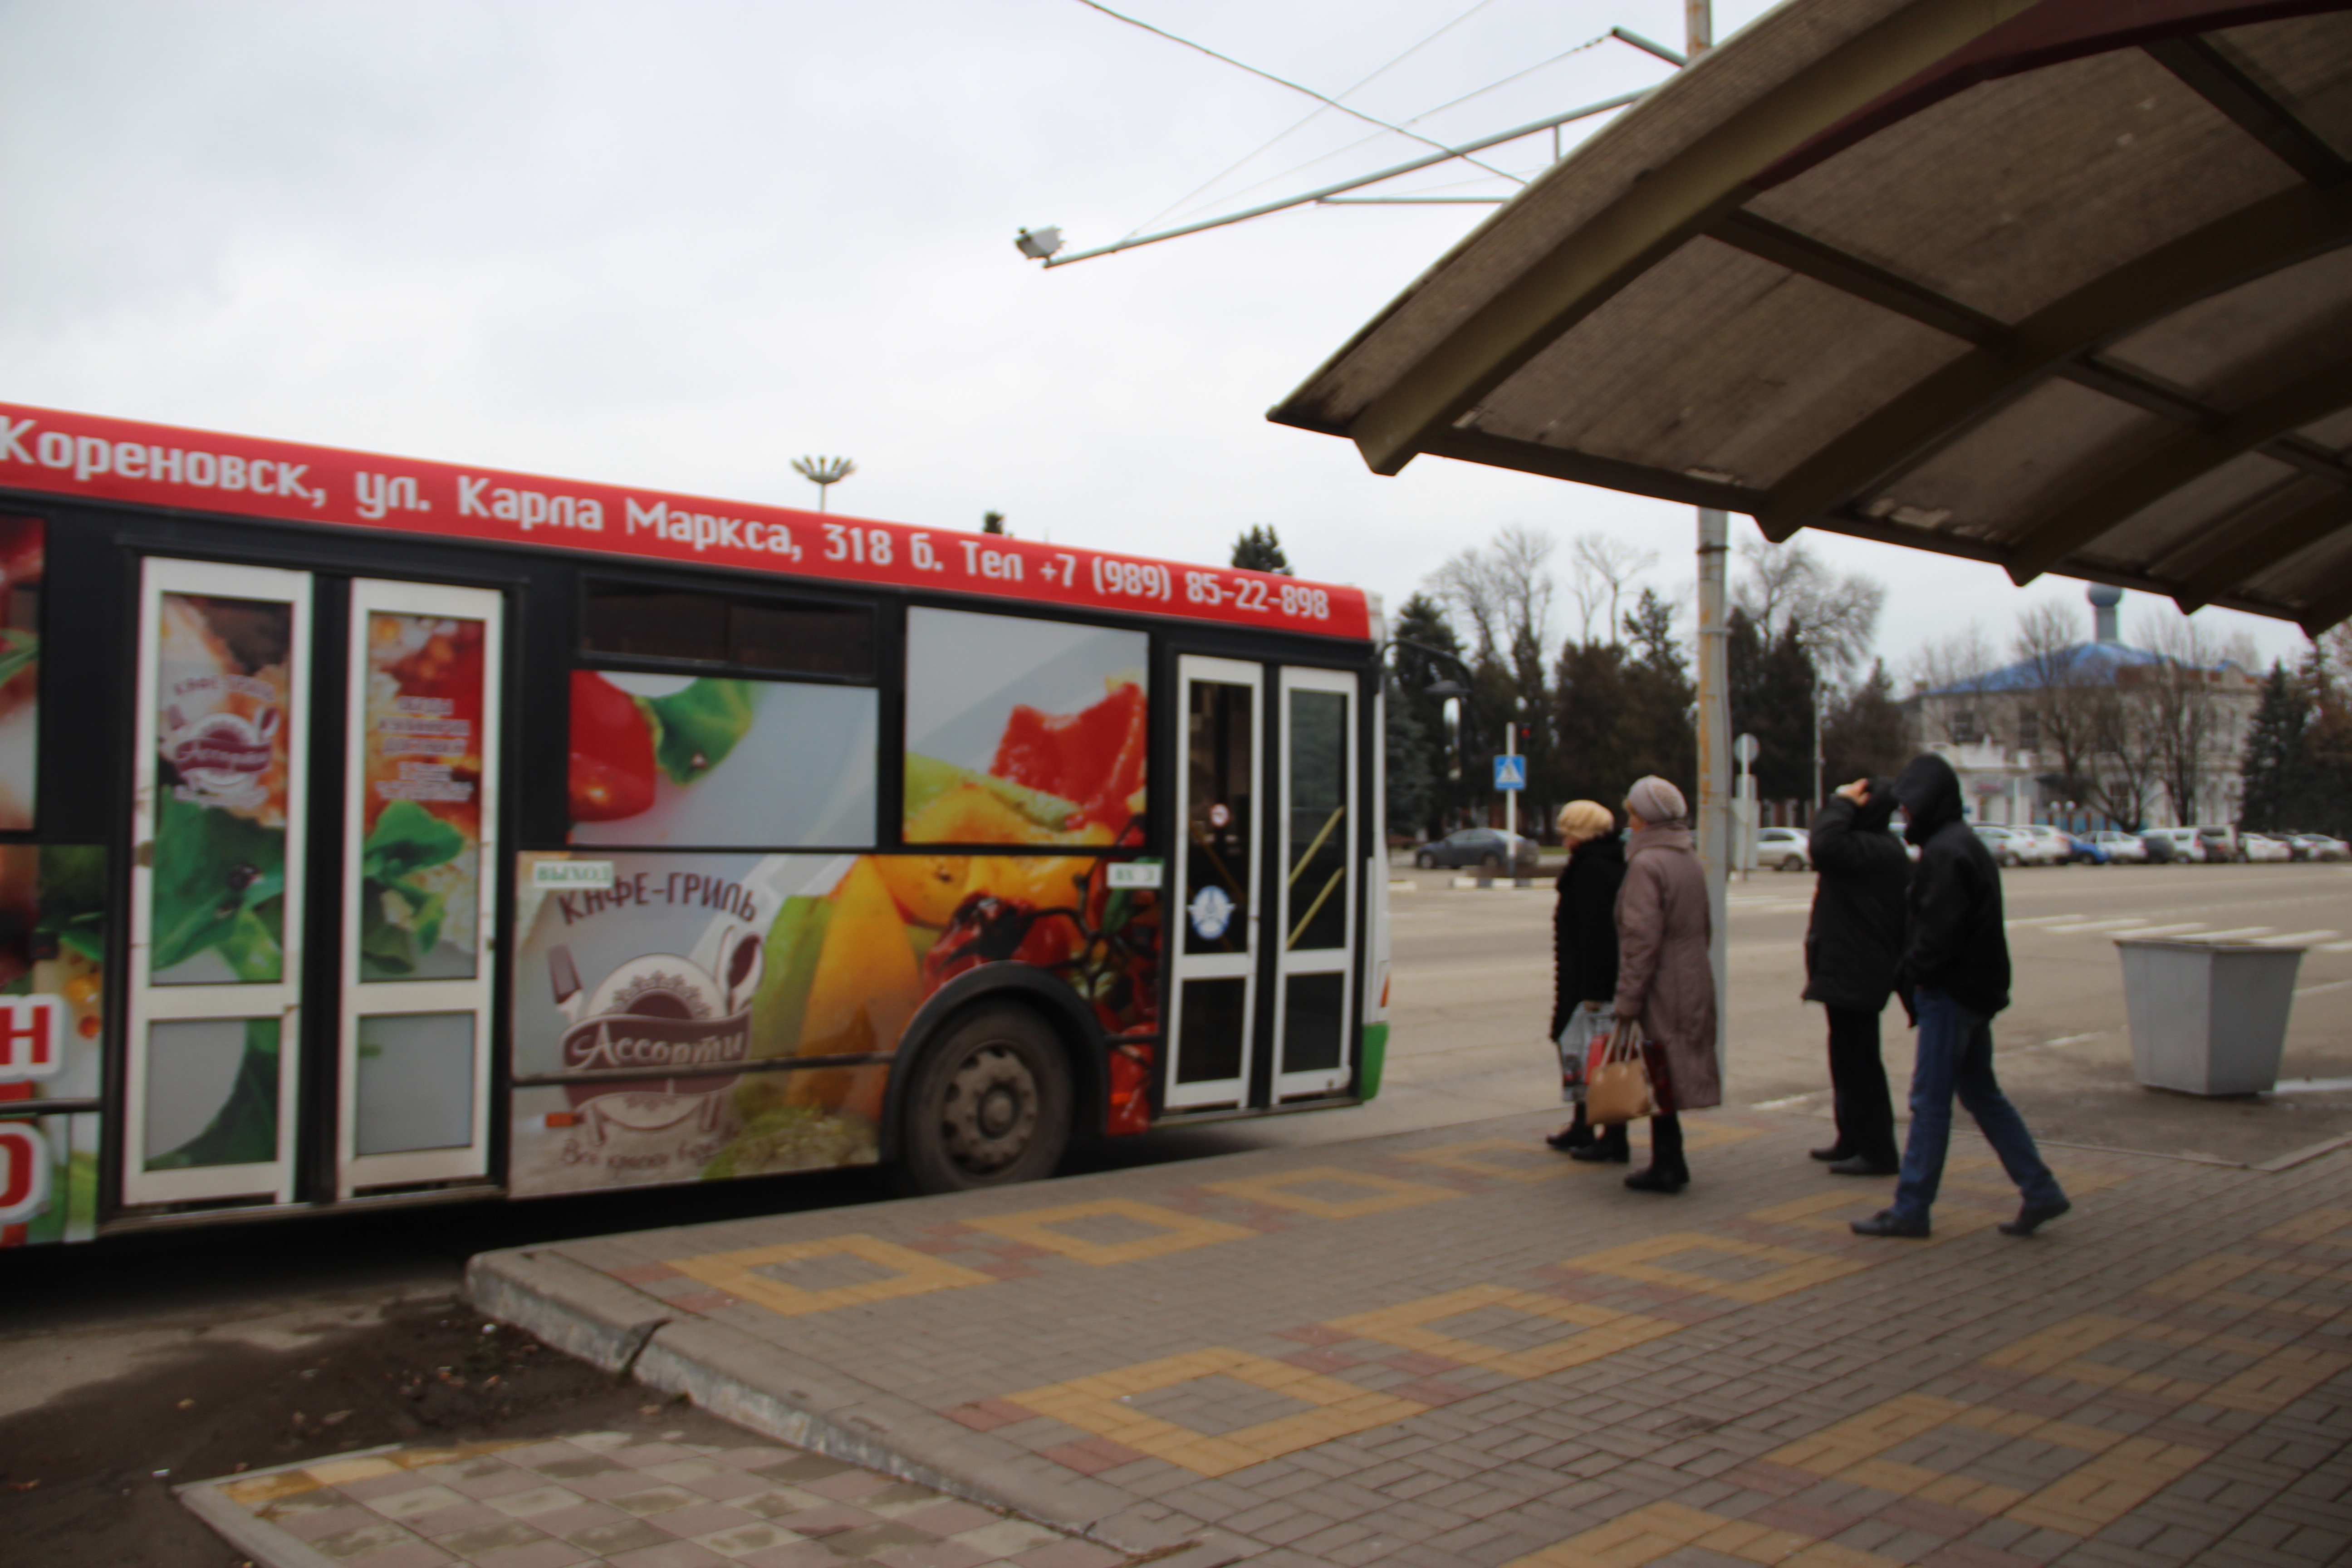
(1583, 819)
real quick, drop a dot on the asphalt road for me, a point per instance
(1471, 997)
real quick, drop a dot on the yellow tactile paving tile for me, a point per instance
(912, 1274)
(262, 1491)
(1660, 1529)
(2283, 1376)
(1638, 1260)
(1858, 1438)
(2094, 1495)
(1534, 1162)
(1179, 1231)
(1605, 1332)
(1386, 1193)
(1094, 1404)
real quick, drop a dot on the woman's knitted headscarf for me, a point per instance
(1655, 801)
(1584, 819)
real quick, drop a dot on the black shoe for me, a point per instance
(1602, 1151)
(1862, 1166)
(1886, 1222)
(1575, 1135)
(2033, 1217)
(1835, 1152)
(1650, 1179)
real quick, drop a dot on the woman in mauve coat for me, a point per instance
(1585, 957)
(1664, 977)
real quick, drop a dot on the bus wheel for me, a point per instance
(990, 1106)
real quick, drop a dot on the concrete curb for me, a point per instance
(257, 1539)
(595, 1317)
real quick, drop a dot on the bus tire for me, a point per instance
(990, 1104)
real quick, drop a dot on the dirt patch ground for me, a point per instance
(87, 1479)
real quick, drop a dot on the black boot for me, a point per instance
(1665, 1173)
(1608, 1147)
(1577, 1134)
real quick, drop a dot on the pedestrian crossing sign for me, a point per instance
(1510, 772)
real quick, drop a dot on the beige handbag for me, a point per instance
(1621, 1090)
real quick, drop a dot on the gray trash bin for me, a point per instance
(2207, 1017)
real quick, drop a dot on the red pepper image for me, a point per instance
(612, 764)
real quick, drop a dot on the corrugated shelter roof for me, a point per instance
(2065, 286)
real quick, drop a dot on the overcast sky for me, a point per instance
(676, 245)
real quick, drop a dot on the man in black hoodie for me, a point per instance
(1954, 977)
(1851, 947)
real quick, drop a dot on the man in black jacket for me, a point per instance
(1954, 977)
(1852, 947)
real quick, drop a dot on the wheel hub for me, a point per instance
(990, 1112)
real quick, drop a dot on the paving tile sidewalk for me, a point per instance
(1456, 1347)
(613, 1497)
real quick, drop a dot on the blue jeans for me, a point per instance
(1956, 1054)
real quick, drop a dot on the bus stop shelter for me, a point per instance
(2065, 287)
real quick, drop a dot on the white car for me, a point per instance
(1784, 849)
(2123, 848)
(2264, 847)
(2320, 847)
(2187, 848)
(2055, 847)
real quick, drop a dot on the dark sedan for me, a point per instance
(1488, 849)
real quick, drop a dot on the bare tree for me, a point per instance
(1604, 570)
(1784, 585)
(2059, 704)
(1503, 589)
(2184, 720)
(1954, 674)
(2122, 734)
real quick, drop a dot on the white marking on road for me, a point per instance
(2076, 1039)
(2304, 937)
(2161, 930)
(2100, 925)
(2311, 1085)
(2241, 934)
(1819, 1094)
(2336, 947)
(2040, 920)
(2315, 990)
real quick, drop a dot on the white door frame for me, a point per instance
(378, 998)
(1244, 965)
(151, 1003)
(1297, 901)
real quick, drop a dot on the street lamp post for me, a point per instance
(824, 473)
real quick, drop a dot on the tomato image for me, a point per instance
(611, 763)
(1094, 757)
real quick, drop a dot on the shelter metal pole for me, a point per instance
(1712, 818)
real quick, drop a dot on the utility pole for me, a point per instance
(1713, 820)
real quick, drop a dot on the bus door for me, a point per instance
(1314, 938)
(225, 828)
(1251, 918)
(1214, 951)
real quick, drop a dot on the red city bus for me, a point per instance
(377, 831)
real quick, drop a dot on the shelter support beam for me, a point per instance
(2212, 75)
(1582, 468)
(2251, 557)
(2109, 498)
(1652, 217)
(2331, 607)
(2257, 240)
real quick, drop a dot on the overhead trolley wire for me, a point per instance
(1284, 81)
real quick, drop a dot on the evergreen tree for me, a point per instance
(1772, 694)
(1589, 758)
(1660, 731)
(1863, 734)
(1411, 787)
(1258, 550)
(2275, 774)
(1420, 619)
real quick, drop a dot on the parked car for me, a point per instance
(2181, 843)
(2221, 842)
(2122, 848)
(2008, 847)
(1784, 849)
(2320, 847)
(2056, 847)
(2082, 850)
(1488, 849)
(2264, 847)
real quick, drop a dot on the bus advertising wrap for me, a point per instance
(83, 455)
(710, 1016)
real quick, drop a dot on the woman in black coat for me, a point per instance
(1584, 960)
